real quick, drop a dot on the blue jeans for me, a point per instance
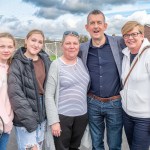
(137, 131)
(29, 140)
(4, 141)
(109, 113)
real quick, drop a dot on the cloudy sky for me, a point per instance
(56, 16)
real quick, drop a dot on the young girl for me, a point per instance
(7, 47)
(27, 78)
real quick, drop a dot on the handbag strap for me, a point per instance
(134, 65)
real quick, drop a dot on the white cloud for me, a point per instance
(140, 16)
(23, 19)
(117, 21)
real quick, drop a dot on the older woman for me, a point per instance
(136, 90)
(66, 90)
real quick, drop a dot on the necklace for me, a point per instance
(73, 66)
(68, 61)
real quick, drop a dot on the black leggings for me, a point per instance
(72, 131)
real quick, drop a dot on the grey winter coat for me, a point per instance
(23, 91)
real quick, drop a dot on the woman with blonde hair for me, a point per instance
(27, 78)
(7, 48)
(136, 86)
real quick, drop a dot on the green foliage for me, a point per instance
(52, 57)
(83, 38)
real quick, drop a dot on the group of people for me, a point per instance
(102, 83)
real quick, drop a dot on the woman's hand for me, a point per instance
(56, 130)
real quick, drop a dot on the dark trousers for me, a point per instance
(137, 131)
(72, 131)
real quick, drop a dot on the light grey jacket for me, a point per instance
(51, 102)
(117, 45)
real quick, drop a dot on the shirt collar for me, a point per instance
(106, 42)
(3, 65)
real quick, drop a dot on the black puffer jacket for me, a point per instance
(23, 91)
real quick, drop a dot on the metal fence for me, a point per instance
(53, 48)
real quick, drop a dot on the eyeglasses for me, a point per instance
(71, 32)
(133, 35)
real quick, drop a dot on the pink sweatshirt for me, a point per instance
(5, 108)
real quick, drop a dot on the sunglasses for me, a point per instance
(71, 32)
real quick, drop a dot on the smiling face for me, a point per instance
(70, 47)
(7, 47)
(34, 43)
(134, 39)
(133, 34)
(96, 26)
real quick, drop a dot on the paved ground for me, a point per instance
(13, 146)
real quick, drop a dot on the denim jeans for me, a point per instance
(137, 131)
(109, 115)
(4, 141)
(29, 140)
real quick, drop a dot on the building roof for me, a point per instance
(147, 31)
(148, 25)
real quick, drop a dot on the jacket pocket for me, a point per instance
(132, 101)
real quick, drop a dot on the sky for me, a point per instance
(54, 17)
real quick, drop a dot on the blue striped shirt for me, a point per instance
(74, 81)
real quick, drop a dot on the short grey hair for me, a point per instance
(95, 12)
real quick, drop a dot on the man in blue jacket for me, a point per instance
(102, 56)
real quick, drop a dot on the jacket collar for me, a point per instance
(145, 43)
